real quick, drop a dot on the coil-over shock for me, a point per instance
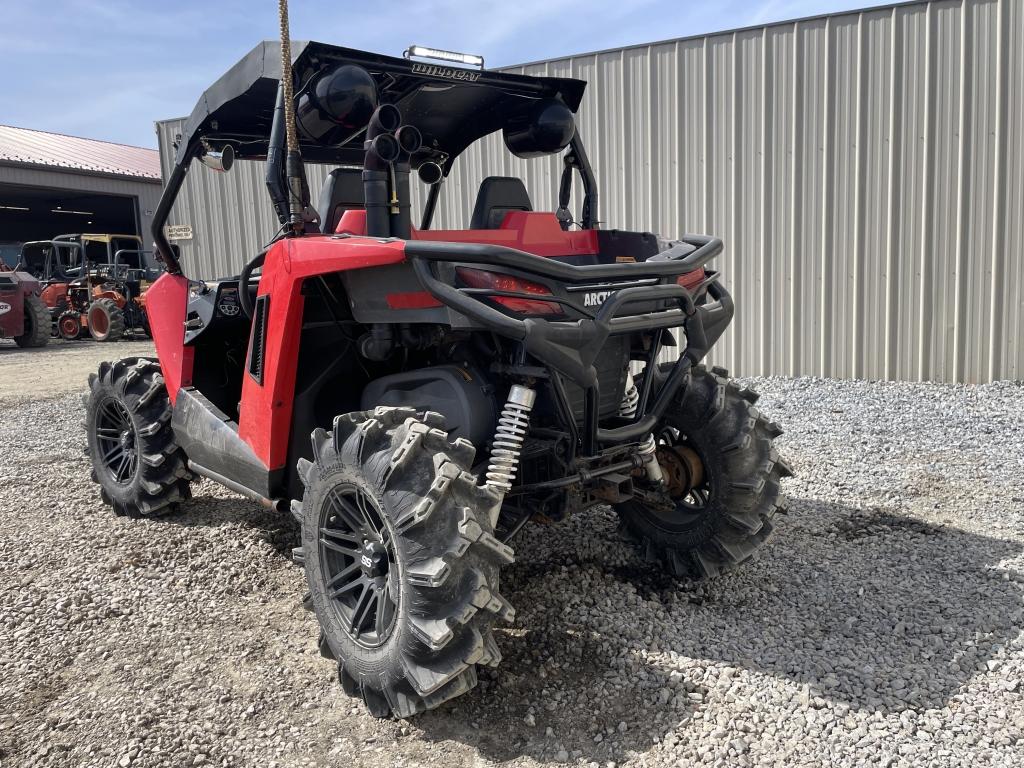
(507, 445)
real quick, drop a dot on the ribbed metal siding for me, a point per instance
(866, 171)
(230, 213)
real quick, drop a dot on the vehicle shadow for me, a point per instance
(212, 506)
(544, 699)
(862, 608)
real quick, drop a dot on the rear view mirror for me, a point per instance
(219, 161)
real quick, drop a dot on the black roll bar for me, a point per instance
(161, 245)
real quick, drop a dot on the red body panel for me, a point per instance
(168, 302)
(265, 416)
(12, 312)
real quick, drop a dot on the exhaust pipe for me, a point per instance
(219, 160)
(409, 142)
(382, 150)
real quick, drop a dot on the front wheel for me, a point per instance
(400, 558)
(722, 480)
(136, 461)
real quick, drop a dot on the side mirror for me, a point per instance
(219, 161)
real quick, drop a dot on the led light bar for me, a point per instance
(13, 208)
(422, 52)
(67, 210)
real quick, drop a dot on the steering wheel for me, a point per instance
(243, 282)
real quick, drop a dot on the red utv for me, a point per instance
(415, 396)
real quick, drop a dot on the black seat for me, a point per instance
(497, 196)
(342, 191)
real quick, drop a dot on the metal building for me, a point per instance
(51, 184)
(865, 169)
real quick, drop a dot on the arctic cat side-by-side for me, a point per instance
(414, 396)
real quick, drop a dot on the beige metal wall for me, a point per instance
(866, 171)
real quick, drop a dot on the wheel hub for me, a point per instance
(682, 467)
(115, 441)
(374, 560)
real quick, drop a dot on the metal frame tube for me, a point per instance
(161, 244)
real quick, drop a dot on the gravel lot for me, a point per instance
(60, 366)
(882, 626)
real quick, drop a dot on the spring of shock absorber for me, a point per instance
(649, 455)
(630, 398)
(508, 438)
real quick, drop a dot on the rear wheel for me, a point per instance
(138, 465)
(722, 478)
(401, 561)
(106, 320)
(69, 325)
(37, 324)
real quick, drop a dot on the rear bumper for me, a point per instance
(570, 347)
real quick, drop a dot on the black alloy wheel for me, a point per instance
(401, 559)
(118, 442)
(360, 569)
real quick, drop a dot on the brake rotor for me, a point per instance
(683, 469)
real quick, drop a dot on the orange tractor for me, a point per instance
(95, 284)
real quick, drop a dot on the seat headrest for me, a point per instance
(497, 196)
(342, 191)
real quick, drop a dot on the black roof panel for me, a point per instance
(451, 106)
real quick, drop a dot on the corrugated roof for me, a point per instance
(24, 145)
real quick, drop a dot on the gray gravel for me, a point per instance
(882, 626)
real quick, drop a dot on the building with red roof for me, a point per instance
(52, 184)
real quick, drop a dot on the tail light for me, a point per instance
(691, 280)
(494, 281)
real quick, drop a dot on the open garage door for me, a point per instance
(35, 213)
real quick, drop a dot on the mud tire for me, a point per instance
(734, 442)
(447, 558)
(160, 480)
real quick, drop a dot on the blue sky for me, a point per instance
(107, 69)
